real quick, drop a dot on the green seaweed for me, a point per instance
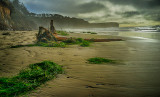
(70, 41)
(93, 33)
(63, 33)
(80, 41)
(98, 60)
(29, 79)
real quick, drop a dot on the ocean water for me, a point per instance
(125, 32)
(140, 74)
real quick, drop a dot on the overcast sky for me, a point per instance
(122, 11)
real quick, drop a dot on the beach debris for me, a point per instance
(52, 28)
(88, 86)
(103, 40)
(44, 35)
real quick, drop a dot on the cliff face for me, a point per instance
(4, 12)
(5, 17)
(13, 16)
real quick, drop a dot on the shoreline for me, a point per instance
(124, 79)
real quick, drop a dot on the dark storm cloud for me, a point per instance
(62, 6)
(130, 13)
(138, 3)
(90, 7)
(49, 6)
(152, 16)
(149, 9)
(148, 15)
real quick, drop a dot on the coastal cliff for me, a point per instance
(12, 17)
(5, 12)
(5, 16)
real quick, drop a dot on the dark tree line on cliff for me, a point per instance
(6, 3)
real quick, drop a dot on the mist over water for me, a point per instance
(124, 32)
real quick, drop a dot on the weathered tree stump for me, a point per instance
(52, 28)
(44, 35)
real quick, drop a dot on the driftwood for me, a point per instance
(103, 40)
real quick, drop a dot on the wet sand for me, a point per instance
(136, 73)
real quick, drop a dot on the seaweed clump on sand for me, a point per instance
(80, 41)
(63, 33)
(62, 44)
(98, 60)
(29, 79)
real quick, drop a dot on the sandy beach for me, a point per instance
(132, 76)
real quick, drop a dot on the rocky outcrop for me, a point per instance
(5, 17)
(13, 16)
(4, 12)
